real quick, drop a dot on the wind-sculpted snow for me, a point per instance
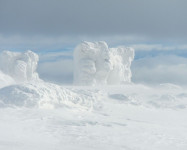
(47, 95)
(127, 116)
(95, 63)
(162, 96)
(20, 67)
(5, 80)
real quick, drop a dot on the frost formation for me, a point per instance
(18, 67)
(96, 63)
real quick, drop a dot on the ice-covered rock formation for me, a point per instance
(19, 67)
(47, 95)
(95, 63)
(28, 90)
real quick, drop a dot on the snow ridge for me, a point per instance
(47, 95)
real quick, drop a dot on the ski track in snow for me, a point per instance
(129, 117)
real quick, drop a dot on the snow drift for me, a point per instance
(5, 80)
(95, 63)
(18, 67)
(47, 95)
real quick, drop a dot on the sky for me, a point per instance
(52, 28)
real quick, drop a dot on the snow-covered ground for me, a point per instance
(129, 117)
(38, 115)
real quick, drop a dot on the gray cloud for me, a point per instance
(153, 18)
(20, 42)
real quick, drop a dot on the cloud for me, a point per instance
(53, 43)
(154, 19)
(56, 67)
(36, 43)
(150, 47)
(59, 71)
(160, 69)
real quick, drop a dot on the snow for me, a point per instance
(43, 116)
(46, 95)
(95, 64)
(5, 80)
(124, 118)
(21, 67)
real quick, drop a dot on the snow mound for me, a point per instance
(47, 95)
(5, 80)
(95, 63)
(19, 67)
(168, 96)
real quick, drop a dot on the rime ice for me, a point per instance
(96, 63)
(20, 67)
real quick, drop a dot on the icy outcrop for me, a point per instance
(20, 67)
(47, 95)
(95, 63)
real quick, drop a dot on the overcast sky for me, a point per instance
(76, 20)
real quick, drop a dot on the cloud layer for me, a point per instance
(160, 69)
(155, 19)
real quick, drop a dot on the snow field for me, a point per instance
(44, 116)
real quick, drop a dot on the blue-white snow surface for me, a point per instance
(38, 115)
(45, 116)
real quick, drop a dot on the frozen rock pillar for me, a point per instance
(19, 66)
(95, 63)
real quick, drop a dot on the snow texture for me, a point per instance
(130, 117)
(46, 95)
(5, 80)
(18, 67)
(43, 116)
(95, 63)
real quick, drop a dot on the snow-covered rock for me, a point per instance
(20, 67)
(47, 95)
(95, 63)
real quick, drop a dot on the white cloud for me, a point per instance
(149, 47)
(56, 70)
(160, 69)
(17, 42)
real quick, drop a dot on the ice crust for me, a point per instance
(18, 67)
(96, 63)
